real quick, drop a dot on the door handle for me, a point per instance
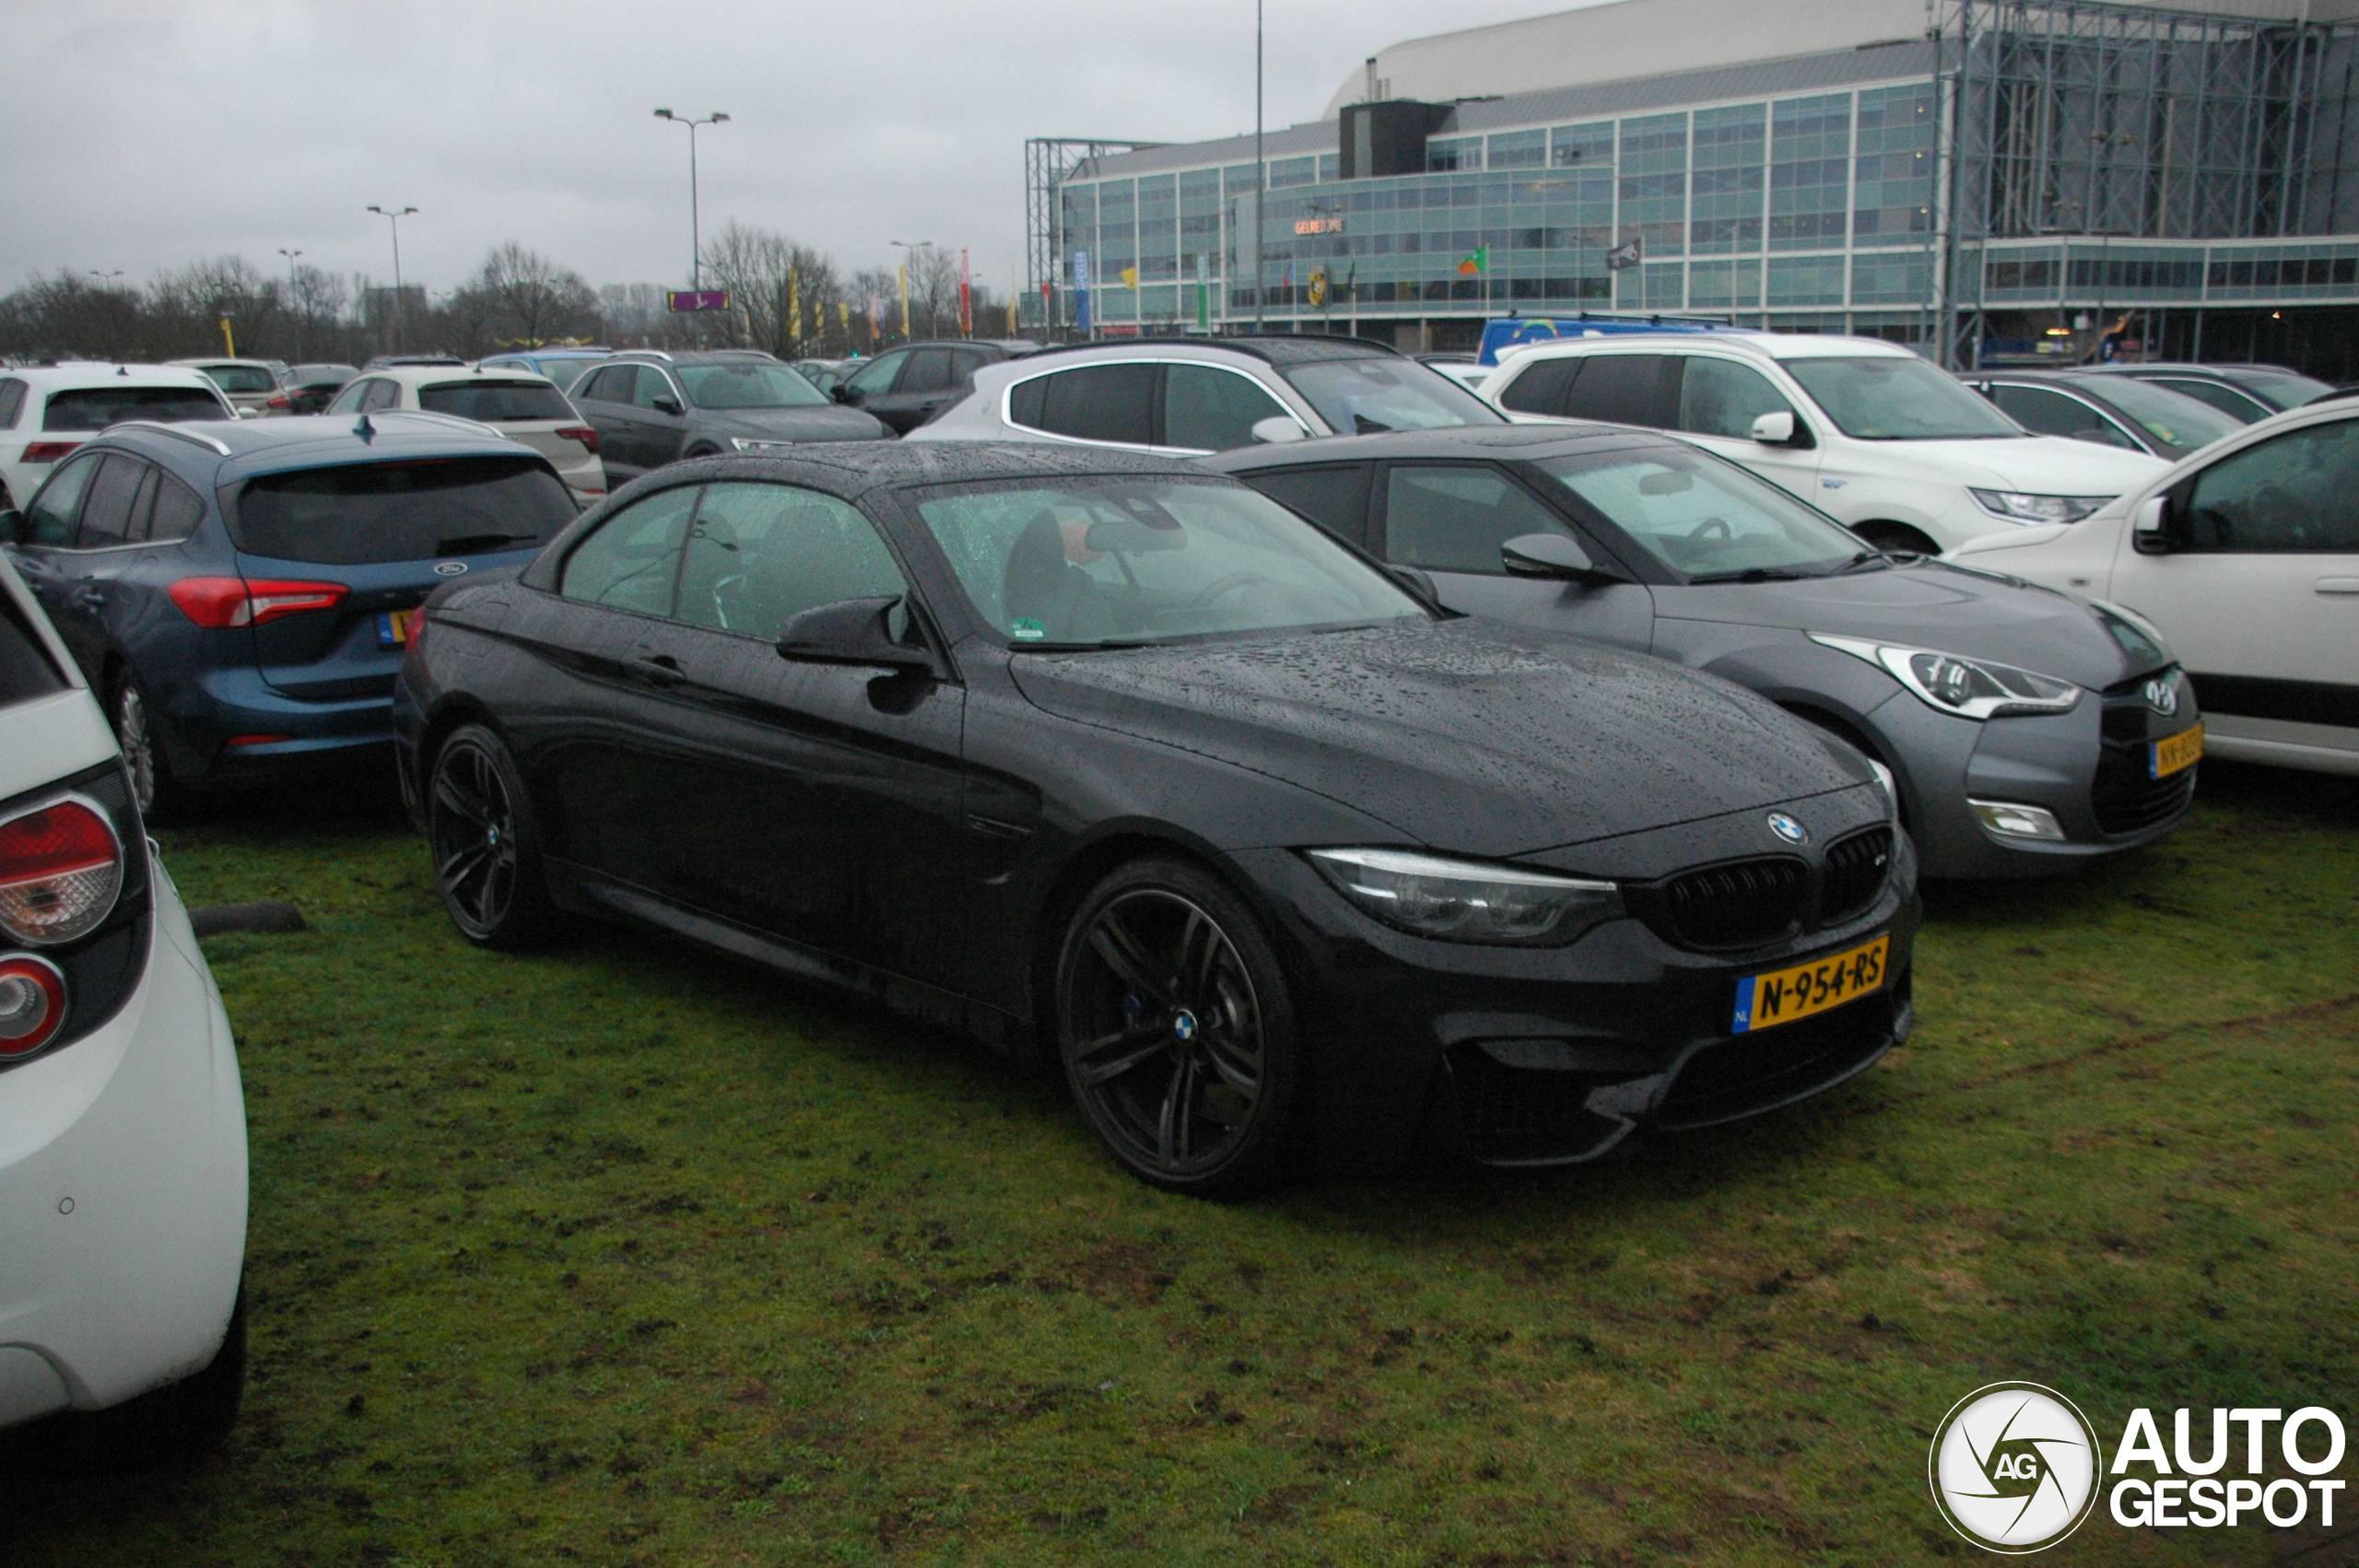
(657, 669)
(2337, 585)
(88, 597)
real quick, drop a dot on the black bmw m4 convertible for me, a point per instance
(1117, 762)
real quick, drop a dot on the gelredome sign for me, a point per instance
(2015, 1467)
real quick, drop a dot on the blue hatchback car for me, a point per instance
(238, 595)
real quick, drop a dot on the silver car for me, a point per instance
(1187, 398)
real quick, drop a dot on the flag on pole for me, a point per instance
(1203, 297)
(1130, 277)
(1628, 254)
(1081, 291)
(793, 305)
(1476, 264)
(966, 299)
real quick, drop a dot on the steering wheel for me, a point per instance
(1229, 584)
(1703, 530)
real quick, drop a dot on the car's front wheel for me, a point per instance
(1177, 1030)
(485, 842)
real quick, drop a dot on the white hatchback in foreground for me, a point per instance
(122, 1125)
(2245, 556)
(1900, 452)
(517, 403)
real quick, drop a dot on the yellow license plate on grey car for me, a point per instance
(1781, 996)
(2172, 753)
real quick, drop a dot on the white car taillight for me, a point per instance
(61, 867)
(32, 1004)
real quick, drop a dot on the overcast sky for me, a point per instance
(141, 135)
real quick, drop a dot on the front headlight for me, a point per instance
(1971, 688)
(2016, 505)
(757, 445)
(1467, 900)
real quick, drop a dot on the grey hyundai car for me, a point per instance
(2027, 731)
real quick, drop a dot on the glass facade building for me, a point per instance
(2030, 176)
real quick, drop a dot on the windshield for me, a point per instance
(367, 513)
(242, 378)
(1888, 398)
(1362, 397)
(2174, 419)
(1704, 518)
(1090, 562)
(494, 401)
(2283, 389)
(95, 408)
(565, 372)
(747, 386)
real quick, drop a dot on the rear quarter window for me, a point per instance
(492, 401)
(363, 514)
(95, 408)
(25, 670)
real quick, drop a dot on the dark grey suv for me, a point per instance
(651, 409)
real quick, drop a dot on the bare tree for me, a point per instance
(520, 298)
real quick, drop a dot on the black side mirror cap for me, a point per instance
(667, 405)
(1551, 555)
(842, 392)
(853, 631)
(12, 527)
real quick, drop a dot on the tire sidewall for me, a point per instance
(528, 920)
(1271, 1143)
(127, 689)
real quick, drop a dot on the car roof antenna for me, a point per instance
(365, 430)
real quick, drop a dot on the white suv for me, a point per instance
(1869, 433)
(122, 1127)
(518, 403)
(48, 411)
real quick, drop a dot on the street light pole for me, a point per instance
(395, 217)
(695, 240)
(907, 248)
(1260, 170)
(290, 256)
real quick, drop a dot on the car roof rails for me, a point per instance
(179, 432)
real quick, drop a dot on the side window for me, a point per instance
(143, 505)
(610, 385)
(2227, 400)
(1541, 387)
(106, 513)
(2047, 411)
(760, 554)
(1454, 520)
(12, 402)
(652, 384)
(177, 511)
(2290, 495)
(963, 365)
(1718, 397)
(1096, 403)
(383, 395)
(629, 562)
(929, 371)
(1335, 497)
(1210, 409)
(348, 400)
(1621, 388)
(49, 520)
(878, 377)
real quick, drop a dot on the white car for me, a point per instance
(1872, 435)
(122, 1125)
(47, 411)
(2245, 556)
(252, 386)
(515, 403)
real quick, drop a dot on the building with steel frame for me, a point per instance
(2029, 180)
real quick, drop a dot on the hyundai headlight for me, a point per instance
(1467, 900)
(1971, 688)
(2016, 505)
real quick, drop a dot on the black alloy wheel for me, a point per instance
(134, 731)
(486, 848)
(1176, 1028)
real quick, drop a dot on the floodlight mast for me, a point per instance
(695, 240)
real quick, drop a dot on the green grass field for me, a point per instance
(620, 1254)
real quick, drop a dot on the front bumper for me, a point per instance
(1555, 1055)
(122, 1193)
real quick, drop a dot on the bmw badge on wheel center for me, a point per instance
(1121, 765)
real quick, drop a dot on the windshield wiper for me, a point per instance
(1863, 558)
(475, 543)
(1753, 574)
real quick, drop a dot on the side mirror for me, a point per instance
(2147, 526)
(667, 405)
(852, 631)
(12, 527)
(1775, 429)
(842, 392)
(1550, 555)
(1277, 429)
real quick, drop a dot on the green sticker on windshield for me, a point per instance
(1024, 629)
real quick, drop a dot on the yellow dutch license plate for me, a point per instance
(1781, 996)
(392, 627)
(2172, 753)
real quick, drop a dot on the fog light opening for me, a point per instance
(2007, 820)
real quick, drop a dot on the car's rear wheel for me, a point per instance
(143, 752)
(485, 842)
(1177, 1030)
